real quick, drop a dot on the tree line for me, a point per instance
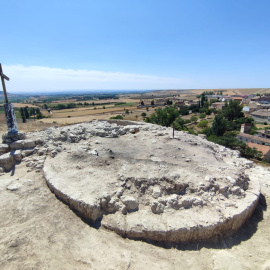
(31, 112)
(225, 127)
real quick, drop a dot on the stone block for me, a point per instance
(13, 137)
(21, 144)
(7, 161)
(130, 202)
(4, 148)
(18, 155)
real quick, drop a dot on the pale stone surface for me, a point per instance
(155, 191)
(18, 155)
(7, 161)
(4, 148)
(21, 144)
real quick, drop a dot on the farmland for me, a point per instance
(69, 109)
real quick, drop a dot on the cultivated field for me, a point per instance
(113, 107)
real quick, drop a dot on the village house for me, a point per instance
(160, 101)
(245, 128)
(261, 116)
(218, 105)
(264, 133)
(253, 106)
(228, 98)
(254, 139)
(263, 148)
(260, 98)
(213, 97)
(264, 105)
(180, 102)
(192, 102)
(240, 99)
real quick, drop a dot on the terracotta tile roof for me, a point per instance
(263, 148)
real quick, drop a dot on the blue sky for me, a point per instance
(142, 44)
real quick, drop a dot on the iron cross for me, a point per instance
(3, 78)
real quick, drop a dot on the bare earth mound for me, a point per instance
(141, 183)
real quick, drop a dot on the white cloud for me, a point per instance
(37, 78)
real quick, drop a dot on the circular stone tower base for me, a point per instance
(143, 184)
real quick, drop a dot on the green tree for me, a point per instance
(169, 102)
(143, 114)
(117, 117)
(22, 115)
(142, 103)
(32, 111)
(229, 140)
(39, 115)
(184, 111)
(202, 99)
(26, 113)
(61, 106)
(152, 103)
(233, 110)
(179, 123)
(164, 116)
(219, 125)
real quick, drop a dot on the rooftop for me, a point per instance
(263, 148)
(245, 135)
(261, 113)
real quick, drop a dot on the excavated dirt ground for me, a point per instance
(38, 231)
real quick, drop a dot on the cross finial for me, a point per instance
(3, 78)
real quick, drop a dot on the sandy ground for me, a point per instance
(37, 231)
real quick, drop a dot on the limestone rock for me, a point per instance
(4, 148)
(21, 144)
(18, 155)
(157, 207)
(130, 202)
(156, 192)
(7, 161)
(14, 186)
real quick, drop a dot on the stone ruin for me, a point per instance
(136, 180)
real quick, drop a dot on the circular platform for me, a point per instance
(146, 185)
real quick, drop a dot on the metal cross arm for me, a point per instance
(4, 76)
